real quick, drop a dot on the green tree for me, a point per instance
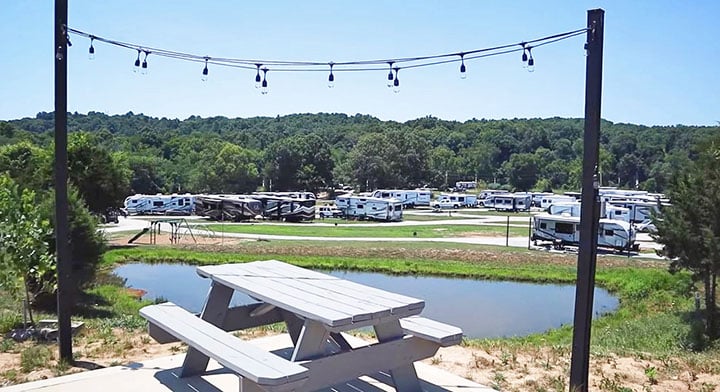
(101, 177)
(690, 228)
(26, 264)
(27, 164)
(522, 171)
(232, 169)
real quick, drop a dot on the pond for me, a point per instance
(482, 308)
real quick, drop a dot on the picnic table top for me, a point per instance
(313, 295)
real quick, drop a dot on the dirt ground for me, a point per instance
(543, 369)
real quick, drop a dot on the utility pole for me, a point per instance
(62, 249)
(590, 210)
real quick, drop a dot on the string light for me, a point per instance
(137, 62)
(258, 79)
(391, 66)
(390, 74)
(331, 77)
(264, 89)
(396, 82)
(91, 50)
(205, 70)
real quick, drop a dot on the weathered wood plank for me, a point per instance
(253, 363)
(403, 373)
(443, 334)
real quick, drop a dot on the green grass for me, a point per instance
(379, 231)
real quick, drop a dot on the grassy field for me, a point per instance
(379, 231)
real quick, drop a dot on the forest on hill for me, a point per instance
(142, 154)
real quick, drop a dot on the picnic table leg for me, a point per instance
(214, 312)
(311, 342)
(294, 325)
(404, 377)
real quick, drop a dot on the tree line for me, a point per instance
(113, 156)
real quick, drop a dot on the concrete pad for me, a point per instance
(161, 375)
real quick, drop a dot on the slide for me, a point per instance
(138, 235)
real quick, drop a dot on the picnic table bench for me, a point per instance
(317, 309)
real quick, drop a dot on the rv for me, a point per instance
(409, 198)
(547, 200)
(233, 208)
(640, 211)
(465, 200)
(486, 196)
(465, 185)
(159, 204)
(370, 208)
(608, 211)
(537, 197)
(513, 202)
(279, 207)
(565, 230)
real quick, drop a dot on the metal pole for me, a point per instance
(590, 210)
(62, 249)
(507, 232)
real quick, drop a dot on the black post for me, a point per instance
(590, 210)
(507, 232)
(530, 232)
(62, 248)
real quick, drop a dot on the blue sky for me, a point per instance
(660, 67)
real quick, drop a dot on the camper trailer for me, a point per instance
(565, 230)
(159, 204)
(639, 211)
(465, 185)
(547, 200)
(370, 208)
(486, 198)
(409, 198)
(465, 200)
(607, 210)
(513, 202)
(284, 208)
(232, 208)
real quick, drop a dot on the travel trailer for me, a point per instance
(486, 197)
(606, 210)
(374, 208)
(565, 230)
(640, 211)
(159, 204)
(547, 200)
(513, 202)
(409, 198)
(279, 207)
(233, 208)
(464, 185)
(465, 200)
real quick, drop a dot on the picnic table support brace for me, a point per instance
(311, 343)
(404, 377)
(214, 312)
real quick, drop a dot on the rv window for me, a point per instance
(157, 204)
(181, 202)
(609, 233)
(462, 199)
(564, 228)
(133, 201)
(543, 225)
(360, 206)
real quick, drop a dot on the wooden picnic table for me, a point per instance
(316, 308)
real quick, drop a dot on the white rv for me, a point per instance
(409, 198)
(233, 208)
(565, 230)
(374, 208)
(608, 211)
(639, 211)
(160, 204)
(513, 202)
(465, 200)
(486, 197)
(547, 200)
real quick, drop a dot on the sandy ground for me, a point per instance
(534, 369)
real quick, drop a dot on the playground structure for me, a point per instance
(176, 234)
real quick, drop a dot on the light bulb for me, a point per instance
(264, 89)
(390, 75)
(137, 63)
(531, 64)
(331, 80)
(258, 79)
(205, 72)
(396, 83)
(91, 50)
(463, 74)
(144, 69)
